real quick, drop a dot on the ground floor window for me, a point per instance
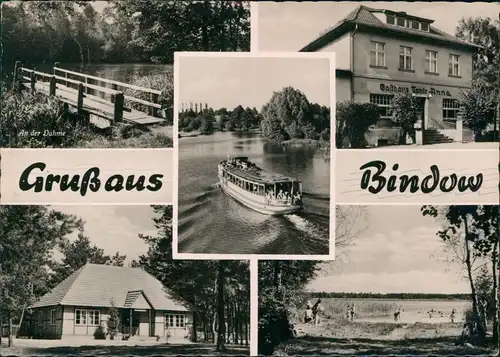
(450, 108)
(87, 317)
(53, 317)
(384, 102)
(40, 317)
(175, 320)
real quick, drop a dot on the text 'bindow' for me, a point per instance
(375, 180)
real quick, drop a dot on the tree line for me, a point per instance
(208, 121)
(217, 290)
(396, 296)
(125, 31)
(287, 115)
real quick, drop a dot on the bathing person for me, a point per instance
(308, 316)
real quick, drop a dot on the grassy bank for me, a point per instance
(365, 338)
(34, 120)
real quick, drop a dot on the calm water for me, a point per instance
(212, 222)
(414, 310)
(119, 72)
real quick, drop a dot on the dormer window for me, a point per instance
(402, 21)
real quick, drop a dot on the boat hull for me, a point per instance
(260, 207)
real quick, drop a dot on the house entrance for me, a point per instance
(421, 112)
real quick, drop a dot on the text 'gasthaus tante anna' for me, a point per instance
(33, 179)
(375, 179)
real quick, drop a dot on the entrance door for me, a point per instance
(421, 112)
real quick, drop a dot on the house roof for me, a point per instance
(96, 285)
(363, 16)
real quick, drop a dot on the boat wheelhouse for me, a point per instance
(261, 190)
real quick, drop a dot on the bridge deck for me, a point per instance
(96, 107)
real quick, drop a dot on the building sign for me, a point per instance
(413, 89)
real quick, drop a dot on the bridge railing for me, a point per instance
(31, 78)
(153, 106)
(52, 81)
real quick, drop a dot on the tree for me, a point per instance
(285, 115)
(476, 103)
(29, 236)
(279, 282)
(207, 124)
(353, 121)
(113, 320)
(221, 332)
(475, 228)
(76, 255)
(405, 109)
(484, 32)
(198, 282)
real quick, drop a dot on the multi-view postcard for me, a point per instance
(249, 178)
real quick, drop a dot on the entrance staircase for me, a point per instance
(434, 136)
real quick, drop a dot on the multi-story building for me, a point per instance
(382, 52)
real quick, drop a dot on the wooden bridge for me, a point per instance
(92, 96)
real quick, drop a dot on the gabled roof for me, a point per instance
(363, 16)
(96, 285)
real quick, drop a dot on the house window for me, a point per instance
(405, 60)
(415, 25)
(401, 21)
(93, 317)
(40, 317)
(87, 317)
(454, 65)
(175, 320)
(450, 108)
(390, 19)
(377, 54)
(384, 102)
(53, 317)
(424, 26)
(431, 63)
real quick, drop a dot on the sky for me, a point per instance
(224, 82)
(115, 228)
(397, 253)
(289, 26)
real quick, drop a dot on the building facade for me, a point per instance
(382, 52)
(82, 303)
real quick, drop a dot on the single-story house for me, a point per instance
(79, 304)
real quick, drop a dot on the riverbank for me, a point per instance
(34, 120)
(322, 145)
(368, 338)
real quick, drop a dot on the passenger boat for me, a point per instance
(263, 191)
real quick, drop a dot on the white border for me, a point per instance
(203, 256)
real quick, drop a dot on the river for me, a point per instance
(123, 72)
(211, 222)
